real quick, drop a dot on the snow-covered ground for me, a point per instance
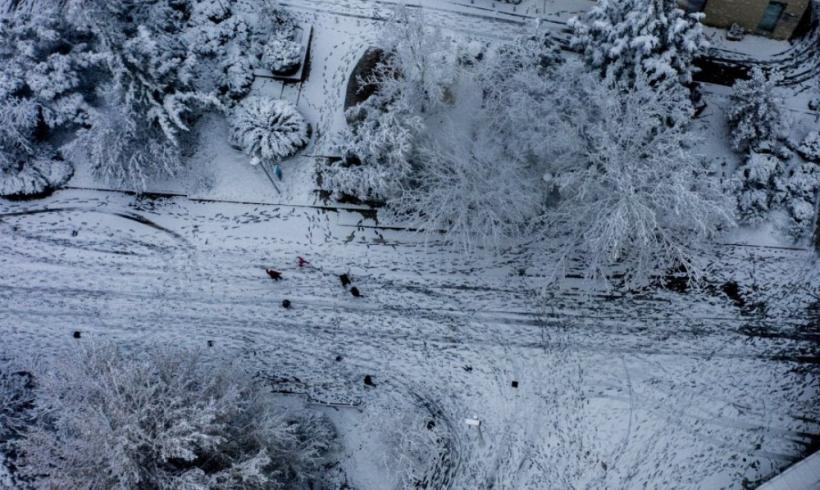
(664, 390)
(613, 391)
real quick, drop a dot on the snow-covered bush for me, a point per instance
(268, 130)
(809, 148)
(235, 36)
(630, 39)
(28, 167)
(765, 182)
(803, 186)
(282, 55)
(168, 419)
(634, 196)
(759, 186)
(755, 115)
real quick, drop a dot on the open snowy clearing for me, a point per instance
(682, 391)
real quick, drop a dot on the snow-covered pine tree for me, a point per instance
(44, 75)
(151, 98)
(268, 130)
(755, 115)
(651, 39)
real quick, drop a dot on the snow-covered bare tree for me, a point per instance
(755, 115)
(268, 130)
(467, 185)
(635, 199)
(166, 419)
(16, 406)
(631, 39)
(377, 149)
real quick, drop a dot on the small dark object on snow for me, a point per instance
(345, 280)
(522, 272)
(210, 343)
(355, 292)
(467, 368)
(603, 465)
(431, 424)
(286, 304)
(732, 290)
(76, 334)
(75, 233)
(368, 381)
(339, 358)
(275, 275)
(515, 384)
(302, 261)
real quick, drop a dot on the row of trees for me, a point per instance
(594, 162)
(120, 83)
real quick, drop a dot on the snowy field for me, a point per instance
(681, 391)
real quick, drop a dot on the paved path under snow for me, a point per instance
(613, 391)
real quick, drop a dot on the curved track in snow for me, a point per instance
(652, 387)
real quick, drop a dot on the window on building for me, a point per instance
(770, 17)
(693, 6)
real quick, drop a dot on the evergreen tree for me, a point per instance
(151, 97)
(755, 115)
(45, 67)
(651, 39)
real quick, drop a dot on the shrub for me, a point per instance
(268, 130)
(281, 55)
(167, 419)
(759, 185)
(809, 148)
(755, 116)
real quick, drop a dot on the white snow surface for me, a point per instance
(663, 387)
(663, 390)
